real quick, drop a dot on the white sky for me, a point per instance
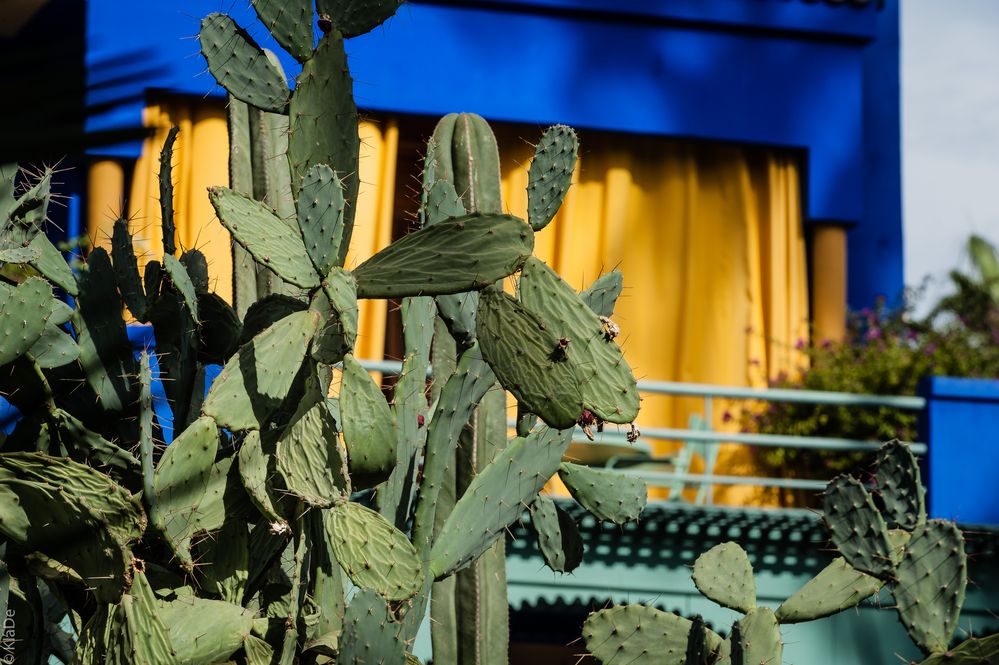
(950, 133)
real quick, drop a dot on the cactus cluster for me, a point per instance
(885, 540)
(245, 539)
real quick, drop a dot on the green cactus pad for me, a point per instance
(608, 495)
(144, 635)
(311, 460)
(930, 585)
(55, 347)
(637, 635)
(105, 352)
(899, 492)
(725, 575)
(759, 640)
(71, 437)
(496, 498)
(558, 536)
(550, 174)
(290, 21)
(253, 384)
(356, 17)
(220, 329)
(267, 311)
(256, 473)
(196, 266)
(51, 264)
(857, 528)
(370, 636)
(264, 235)
(166, 192)
(181, 281)
(18, 254)
(973, 651)
(373, 553)
(608, 386)
(339, 332)
(240, 66)
(837, 587)
(697, 644)
(324, 125)
(179, 484)
(126, 270)
(522, 352)
(603, 293)
(205, 631)
(367, 425)
(24, 311)
(96, 555)
(320, 216)
(460, 254)
(121, 515)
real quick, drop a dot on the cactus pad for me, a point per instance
(373, 553)
(51, 264)
(837, 587)
(356, 17)
(522, 352)
(144, 635)
(930, 585)
(240, 66)
(126, 270)
(558, 536)
(550, 174)
(369, 635)
(324, 125)
(759, 641)
(256, 473)
(973, 651)
(460, 254)
(205, 631)
(254, 382)
(637, 635)
(24, 311)
(602, 295)
(339, 333)
(182, 282)
(725, 575)
(290, 21)
(311, 461)
(608, 495)
(196, 265)
(496, 498)
(264, 235)
(607, 384)
(267, 311)
(320, 216)
(368, 426)
(899, 487)
(179, 483)
(857, 528)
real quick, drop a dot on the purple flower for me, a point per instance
(800, 344)
(873, 333)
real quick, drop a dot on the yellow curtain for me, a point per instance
(201, 161)
(709, 238)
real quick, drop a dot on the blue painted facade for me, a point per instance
(821, 79)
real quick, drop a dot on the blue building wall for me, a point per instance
(815, 77)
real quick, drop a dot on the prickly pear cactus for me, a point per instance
(922, 562)
(243, 540)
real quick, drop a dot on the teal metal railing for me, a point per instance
(612, 450)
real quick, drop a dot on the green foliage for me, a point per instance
(886, 352)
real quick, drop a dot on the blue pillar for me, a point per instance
(961, 426)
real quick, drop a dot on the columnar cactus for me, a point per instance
(240, 540)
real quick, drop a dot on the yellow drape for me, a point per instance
(709, 239)
(201, 161)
